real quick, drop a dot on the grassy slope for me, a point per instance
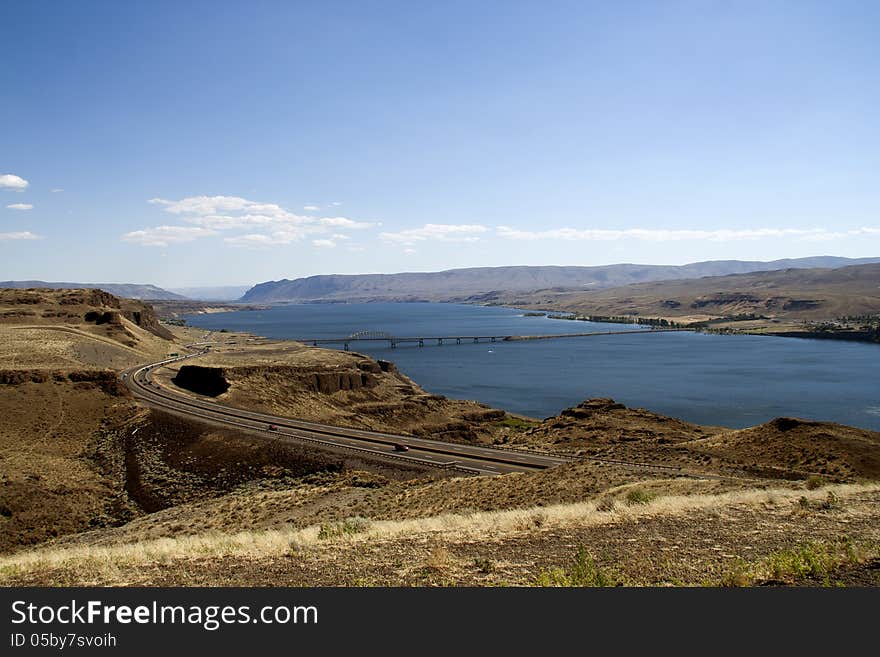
(696, 539)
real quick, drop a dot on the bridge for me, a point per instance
(439, 340)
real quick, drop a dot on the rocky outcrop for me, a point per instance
(105, 380)
(87, 297)
(591, 408)
(108, 317)
(215, 381)
(722, 299)
(72, 306)
(142, 314)
(313, 379)
(210, 381)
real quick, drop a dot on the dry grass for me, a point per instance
(475, 526)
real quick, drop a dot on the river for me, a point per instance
(733, 381)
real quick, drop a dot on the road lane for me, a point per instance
(469, 458)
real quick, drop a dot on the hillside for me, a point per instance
(702, 510)
(68, 433)
(793, 294)
(126, 290)
(133, 496)
(468, 284)
(62, 467)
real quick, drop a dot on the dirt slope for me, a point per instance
(329, 386)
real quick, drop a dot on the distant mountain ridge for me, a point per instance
(467, 284)
(214, 293)
(793, 293)
(126, 290)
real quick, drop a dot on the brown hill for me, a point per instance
(61, 470)
(473, 283)
(794, 446)
(807, 294)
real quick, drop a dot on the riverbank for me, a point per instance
(831, 330)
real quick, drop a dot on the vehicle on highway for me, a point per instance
(399, 447)
(273, 427)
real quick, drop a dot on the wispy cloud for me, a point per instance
(343, 222)
(436, 232)
(661, 235)
(57, 190)
(21, 235)
(311, 208)
(165, 235)
(324, 244)
(20, 206)
(13, 182)
(268, 224)
(251, 239)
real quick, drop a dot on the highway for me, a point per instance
(371, 444)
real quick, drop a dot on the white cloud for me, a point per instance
(336, 204)
(324, 244)
(343, 222)
(355, 248)
(269, 223)
(22, 235)
(660, 235)
(165, 235)
(20, 206)
(275, 238)
(311, 208)
(436, 232)
(205, 205)
(409, 251)
(251, 239)
(13, 182)
(57, 190)
(339, 236)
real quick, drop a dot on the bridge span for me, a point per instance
(439, 340)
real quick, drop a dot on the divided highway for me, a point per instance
(422, 451)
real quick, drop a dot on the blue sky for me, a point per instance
(225, 143)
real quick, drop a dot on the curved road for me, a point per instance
(425, 452)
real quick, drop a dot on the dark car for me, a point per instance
(398, 447)
(273, 427)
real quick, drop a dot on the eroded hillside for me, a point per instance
(61, 401)
(328, 386)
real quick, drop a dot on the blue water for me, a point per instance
(734, 381)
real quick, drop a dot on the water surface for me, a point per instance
(734, 381)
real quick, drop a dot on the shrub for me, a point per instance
(830, 501)
(583, 572)
(485, 566)
(814, 482)
(639, 496)
(739, 574)
(345, 527)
